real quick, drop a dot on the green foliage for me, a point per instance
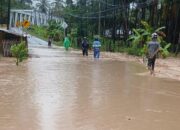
(55, 30)
(74, 32)
(144, 50)
(38, 30)
(19, 51)
(15, 4)
(142, 36)
(147, 27)
(134, 51)
(164, 51)
(159, 29)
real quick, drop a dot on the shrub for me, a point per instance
(164, 51)
(142, 36)
(19, 51)
(134, 51)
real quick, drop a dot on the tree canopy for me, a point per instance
(114, 19)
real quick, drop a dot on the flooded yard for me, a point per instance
(59, 90)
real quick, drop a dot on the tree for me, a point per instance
(57, 8)
(26, 1)
(123, 15)
(43, 5)
(69, 3)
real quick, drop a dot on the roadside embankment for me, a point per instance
(165, 68)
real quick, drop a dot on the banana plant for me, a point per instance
(142, 36)
(164, 51)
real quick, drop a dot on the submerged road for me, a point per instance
(59, 90)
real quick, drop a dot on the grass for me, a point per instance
(36, 35)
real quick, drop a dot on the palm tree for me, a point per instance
(69, 3)
(57, 7)
(43, 5)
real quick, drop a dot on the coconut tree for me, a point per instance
(43, 5)
(69, 3)
(57, 7)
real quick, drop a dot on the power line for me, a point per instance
(139, 5)
(112, 8)
(107, 3)
(103, 2)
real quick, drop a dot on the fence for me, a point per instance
(6, 47)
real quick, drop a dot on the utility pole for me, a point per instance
(114, 25)
(105, 18)
(86, 26)
(99, 26)
(104, 25)
(9, 9)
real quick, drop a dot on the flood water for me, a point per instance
(58, 90)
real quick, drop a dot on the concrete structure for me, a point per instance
(7, 39)
(36, 18)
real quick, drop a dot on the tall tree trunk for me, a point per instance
(177, 30)
(136, 19)
(143, 13)
(168, 22)
(178, 46)
(155, 21)
(153, 13)
(125, 18)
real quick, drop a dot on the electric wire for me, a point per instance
(139, 5)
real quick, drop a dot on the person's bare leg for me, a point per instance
(150, 70)
(153, 73)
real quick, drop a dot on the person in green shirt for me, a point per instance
(67, 43)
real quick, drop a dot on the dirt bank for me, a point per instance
(165, 68)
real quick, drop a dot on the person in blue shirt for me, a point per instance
(96, 48)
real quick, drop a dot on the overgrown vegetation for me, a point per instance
(39, 31)
(106, 18)
(20, 52)
(142, 36)
(53, 30)
(15, 4)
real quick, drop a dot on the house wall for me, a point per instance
(5, 35)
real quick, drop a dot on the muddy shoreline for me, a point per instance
(165, 68)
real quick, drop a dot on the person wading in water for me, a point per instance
(153, 49)
(96, 48)
(85, 47)
(67, 43)
(49, 41)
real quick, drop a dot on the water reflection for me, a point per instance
(57, 90)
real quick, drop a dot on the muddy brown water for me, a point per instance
(58, 90)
